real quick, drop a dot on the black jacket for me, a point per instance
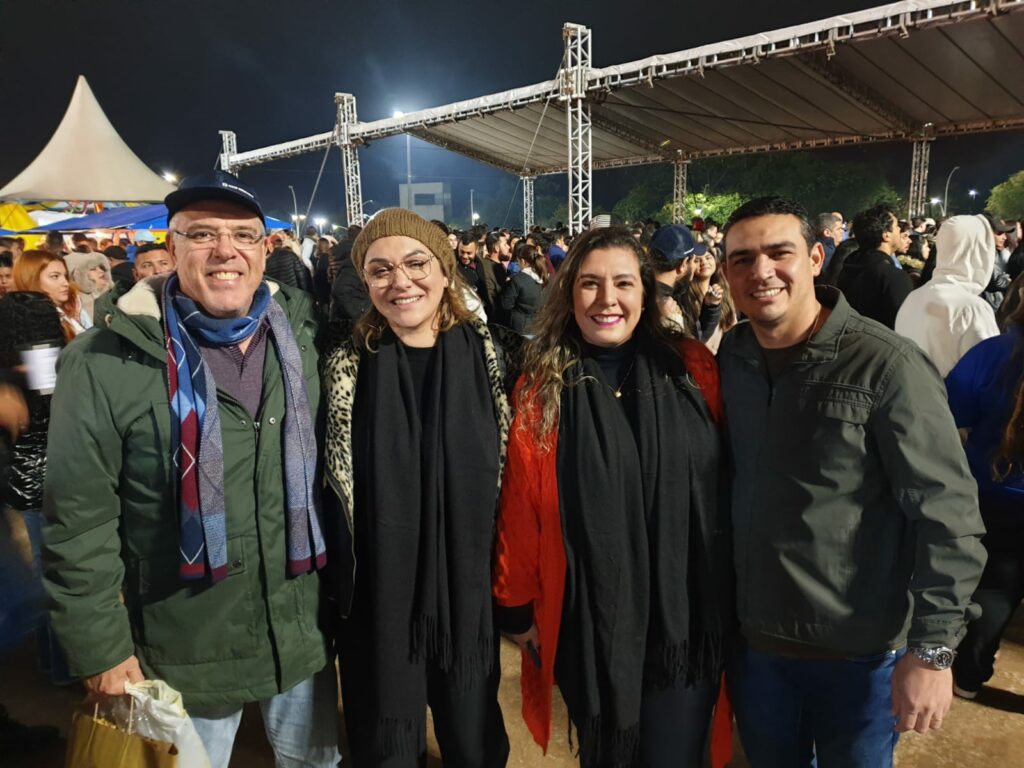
(284, 267)
(28, 318)
(521, 298)
(349, 299)
(874, 286)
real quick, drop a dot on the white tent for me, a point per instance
(86, 159)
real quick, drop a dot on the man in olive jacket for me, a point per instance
(201, 573)
(855, 518)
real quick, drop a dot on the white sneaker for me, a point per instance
(964, 694)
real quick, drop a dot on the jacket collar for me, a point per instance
(823, 347)
(138, 315)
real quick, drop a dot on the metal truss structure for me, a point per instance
(527, 202)
(823, 84)
(679, 167)
(347, 120)
(918, 197)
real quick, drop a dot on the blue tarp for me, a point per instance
(135, 217)
(4, 232)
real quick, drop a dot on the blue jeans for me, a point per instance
(52, 661)
(301, 725)
(804, 712)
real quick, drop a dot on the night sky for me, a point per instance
(171, 74)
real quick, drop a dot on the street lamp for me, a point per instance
(973, 193)
(408, 163)
(319, 221)
(937, 201)
(170, 178)
(295, 209)
(945, 195)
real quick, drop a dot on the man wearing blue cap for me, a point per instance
(183, 537)
(672, 250)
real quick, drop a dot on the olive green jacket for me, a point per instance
(855, 516)
(112, 521)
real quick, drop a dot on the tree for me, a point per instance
(1007, 199)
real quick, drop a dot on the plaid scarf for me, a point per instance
(198, 451)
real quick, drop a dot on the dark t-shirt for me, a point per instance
(421, 360)
(778, 360)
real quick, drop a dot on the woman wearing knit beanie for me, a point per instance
(418, 419)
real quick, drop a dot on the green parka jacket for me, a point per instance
(112, 521)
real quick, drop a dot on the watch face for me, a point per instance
(943, 658)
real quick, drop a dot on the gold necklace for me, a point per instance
(618, 392)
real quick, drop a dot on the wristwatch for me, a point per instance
(936, 658)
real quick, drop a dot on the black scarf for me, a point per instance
(647, 589)
(426, 496)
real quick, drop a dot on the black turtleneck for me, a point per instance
(615, 362)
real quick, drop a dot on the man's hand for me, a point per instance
(921, 696)
(111, 682)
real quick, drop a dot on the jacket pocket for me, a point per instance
(183, 622)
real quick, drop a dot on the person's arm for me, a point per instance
(979, 323)
(83, 571)
(509, 295)
(349, 297)
(516, 583)
(930, 480)
(710, 316)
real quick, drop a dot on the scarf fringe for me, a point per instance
(397, 736)
(430, 644)
(690, 662)
(611, 749)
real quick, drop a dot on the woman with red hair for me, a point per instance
(42, 272)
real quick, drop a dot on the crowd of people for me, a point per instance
(655, 457)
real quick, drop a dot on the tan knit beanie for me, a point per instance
(398, 221)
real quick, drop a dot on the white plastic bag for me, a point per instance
(160, 715)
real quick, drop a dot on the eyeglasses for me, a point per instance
(241, 238)
(382, 274)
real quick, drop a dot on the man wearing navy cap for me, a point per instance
(672, 250)
(183, 537)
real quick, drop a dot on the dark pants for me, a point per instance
(790, 711)
(674, 725)
(999, 593)
(468, 724)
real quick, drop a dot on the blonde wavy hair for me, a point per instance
(551, 357)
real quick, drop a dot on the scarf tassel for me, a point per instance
(465, 669)
(398, 736)
(690, 662)
(614, 749)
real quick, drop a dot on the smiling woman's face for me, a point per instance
(608, 296)
(409, 304)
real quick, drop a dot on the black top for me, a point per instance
(420, 359)
(615, 362)
(778, 360)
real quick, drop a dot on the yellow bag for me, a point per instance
(96, 743)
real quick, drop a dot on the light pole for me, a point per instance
(973, 193)
(319, 221)
(472, 210)
(408, 164)
(295, 210)
(945, 195)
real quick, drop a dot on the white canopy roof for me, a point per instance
(86, 159)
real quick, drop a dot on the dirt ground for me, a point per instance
(987, 732)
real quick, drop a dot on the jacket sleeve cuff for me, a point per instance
(514, 620)
(935, 633)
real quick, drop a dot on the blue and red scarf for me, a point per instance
(197, 446)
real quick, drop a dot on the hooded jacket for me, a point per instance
(874, 286)
(947, 316)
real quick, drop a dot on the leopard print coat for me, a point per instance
(340, 373)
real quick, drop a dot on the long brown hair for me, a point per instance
(1010, 456)
(696, 298)
(551, 356)
(28, 271)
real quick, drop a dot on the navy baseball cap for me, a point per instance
(219, 185)
(676, 243)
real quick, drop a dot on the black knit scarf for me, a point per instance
(426, 493)
(647, 589)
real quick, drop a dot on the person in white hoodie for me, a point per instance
(947, 316)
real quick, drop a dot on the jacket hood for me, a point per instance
(79, 273)
(965, 253)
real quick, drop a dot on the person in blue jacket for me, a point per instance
(986, 396)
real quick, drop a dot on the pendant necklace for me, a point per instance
(618, 392)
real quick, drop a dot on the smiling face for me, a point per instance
(53, 281)
(6, 280)
(704, 266)
(467, 253)
(771, 270)
(410, 305)
(220, 276)
(608, 296)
